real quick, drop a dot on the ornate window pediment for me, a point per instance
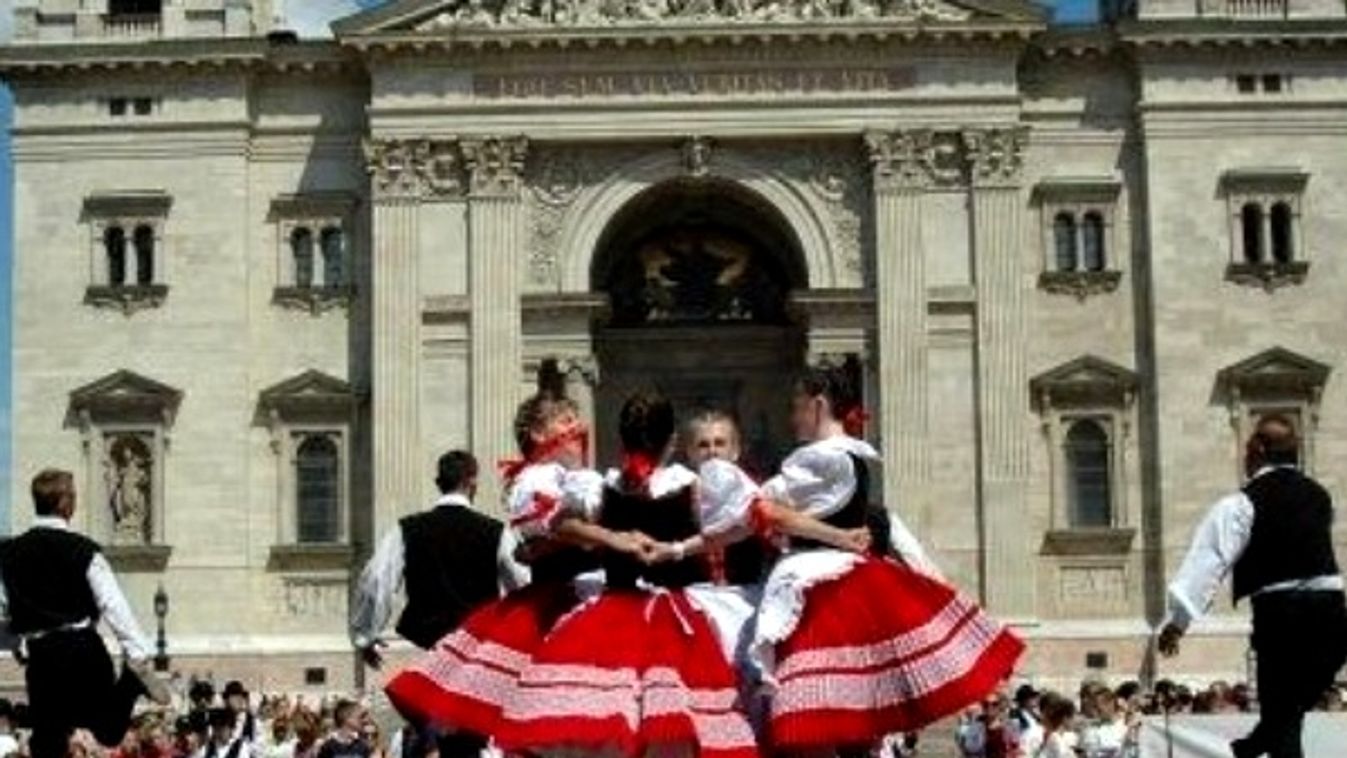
(1275, 381)
(1277, 371)
(1085, 381)
(309, 417)
(125, 396)
(124, 421)
(1086, 406)
(310, 394)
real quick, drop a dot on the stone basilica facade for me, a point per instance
(261, 283)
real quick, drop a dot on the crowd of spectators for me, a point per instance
(234, 724)
(1098, 722)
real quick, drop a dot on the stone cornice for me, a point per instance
(677, 35)
(1192, 34)
(195, 55)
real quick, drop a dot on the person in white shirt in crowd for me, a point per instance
(1275, 537)
(223, 742)
(246, 728)
(1106, 733)
(1023, 725)
(1058, 739)
(55, 587)
(970, 736)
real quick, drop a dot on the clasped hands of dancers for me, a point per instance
(632, 639)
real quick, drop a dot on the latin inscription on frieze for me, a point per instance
(693, 83)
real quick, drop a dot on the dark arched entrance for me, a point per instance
(699, 275)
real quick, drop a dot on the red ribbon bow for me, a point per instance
(510, 468)
(637, 468)
(853, 422)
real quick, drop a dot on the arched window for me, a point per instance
(1251, 229)
(317, 477)
(1092, 237)
(1064, 241)
(301, 247)
(114, 247)
(332, 244)
(1088, 475)
(143, 240)
(1283, 245)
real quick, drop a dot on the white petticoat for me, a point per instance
(783, 598)
(729, 608)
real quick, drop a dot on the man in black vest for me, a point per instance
(1276, 537)
(451, 559)
(56, 587)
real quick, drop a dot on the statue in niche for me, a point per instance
(126, 472)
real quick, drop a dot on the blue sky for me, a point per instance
(310, 19)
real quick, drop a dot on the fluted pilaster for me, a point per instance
(495, 245)
(903, 167)
(995, 158)
(395, 342)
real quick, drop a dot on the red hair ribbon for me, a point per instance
(853, 421)
(637, 468)
(511, 467)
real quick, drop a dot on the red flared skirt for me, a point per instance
(883, 649)
(465, 681)
(629, 673)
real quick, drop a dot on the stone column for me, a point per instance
(396, 184)
(995, 158)
(901, 164)
(495, 278)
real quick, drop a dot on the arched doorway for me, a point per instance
(699, 275)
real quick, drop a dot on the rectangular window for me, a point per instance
(1272, 83)
(143, 106)
(1246, 84)
(117, 106)
(318, 483)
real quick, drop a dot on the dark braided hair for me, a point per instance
(646, 423)
(534, 413)
(839, 385)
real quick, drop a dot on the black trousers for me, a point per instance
(460, 745)
(72, 685)
(1301, 642)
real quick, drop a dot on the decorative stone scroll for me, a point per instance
(495, 164)
(524, 14)
(415, 167)
(913, 158)
(995, 155)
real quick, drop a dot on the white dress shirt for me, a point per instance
(382, 577)
(112, 605)
(1221, 538)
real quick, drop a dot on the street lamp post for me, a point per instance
(160, 612)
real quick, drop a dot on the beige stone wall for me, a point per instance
(217, 337)
(225, 144)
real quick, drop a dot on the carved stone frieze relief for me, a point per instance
(525, 14)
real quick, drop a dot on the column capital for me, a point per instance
(913, 158)
(403, 168)
(995, 155)
(495, 165)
